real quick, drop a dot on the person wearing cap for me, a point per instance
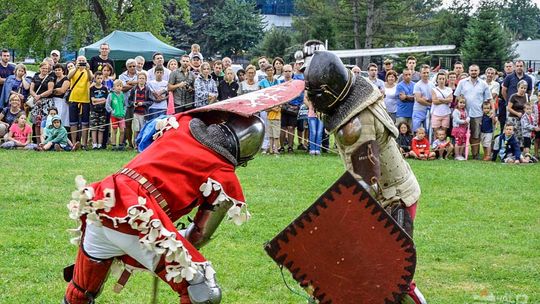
(195, 63)
(55, 56)
(388, 65)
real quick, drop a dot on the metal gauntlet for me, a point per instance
(206, 222)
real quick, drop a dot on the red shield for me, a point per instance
(254, 102)
(347, 248)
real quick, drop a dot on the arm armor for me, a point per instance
(206, 222)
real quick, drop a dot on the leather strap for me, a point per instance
(152, 190)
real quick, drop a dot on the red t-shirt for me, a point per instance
(420, 146)
(20, 134)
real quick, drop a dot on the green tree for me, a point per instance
(486, 42)
(522, 18)
(234, 28)
(42, 25)
(452, 23)
(275, 43)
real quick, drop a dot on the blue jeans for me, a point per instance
(419, 120)
(316, 129)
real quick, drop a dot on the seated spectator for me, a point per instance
(228, 87)
(420, 146)
(442, 145)
(528, 129)
(460, 126)
(507, 147)
(206, 90)
(45, 123)
(20, 135)
(58, 138)
(15, 84)
(9, 114)
(404, 139)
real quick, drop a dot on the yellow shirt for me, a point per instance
(274, 114)
(81, 92)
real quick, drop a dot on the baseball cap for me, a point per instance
(55, 52)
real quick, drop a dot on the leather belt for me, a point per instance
(152, 190)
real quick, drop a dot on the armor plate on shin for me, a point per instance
(203, 288)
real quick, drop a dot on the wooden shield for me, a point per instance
(347, 248)
(254, 102)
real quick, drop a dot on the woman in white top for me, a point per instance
(390, 97)
(250, 84)
(440, 110)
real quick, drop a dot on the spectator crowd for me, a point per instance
(439, 113)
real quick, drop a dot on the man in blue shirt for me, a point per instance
(6, 69)
(422, 99)
(405, 91)
(509, 86)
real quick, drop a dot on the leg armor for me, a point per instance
(87, 278)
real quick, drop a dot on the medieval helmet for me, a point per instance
(328, 81)
(246, 137)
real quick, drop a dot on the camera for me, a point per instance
(82, 64)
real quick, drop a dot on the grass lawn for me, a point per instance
(477, 229)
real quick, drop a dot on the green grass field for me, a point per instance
(477, 228)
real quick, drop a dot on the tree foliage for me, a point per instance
(275, 43)
(33, 25)
(522, 18)
(486, 42)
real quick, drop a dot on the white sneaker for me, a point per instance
(459, 158)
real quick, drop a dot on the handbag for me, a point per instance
(68, 91)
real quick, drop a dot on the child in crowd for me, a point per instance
(537, 140)
(528, 128)
(274, 128)
(507, 147)
(489, 119)
(98, 114)
(420, 146)
(117, 105)
(228, 87)
(57, 138)
(108, 80)
(460, 126)
(195, 49)
(442, 145)
(140, 98)
(158, 94)
(404, 139)
(20, 134)
(45, 123)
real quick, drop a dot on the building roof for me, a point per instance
(527, 49)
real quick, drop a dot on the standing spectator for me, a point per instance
(158, 94)
(9, 114)
(528, 129)
(61, 86)
(227, 63)
(55, 56)
(420, 147)
(391, 97)
(41, 89)
(405, 91)
(356, 70)
(372, 76)
(503, 102)
(98, 113)
(316, 129)
(486, 129)
(195, 64)
(422, 99)
(278, 63)
(240, 75)
(140, 98)
(266, 83)
(516, 108)
(217, 73)
(108, 80)
(411, 66)
(79, 108)
(301, 119)
(140, 61)
(158, 60)
(442, 96)
(250, 84)
(493, 85)
(510, 85)
(458, 69)
(388, 65)
(6, 68)
(182, 82)
(20, 134)
(206, 90)
(460, 125)
(261, 74)
(228, 87)
(289, 112)
(475, 91)
(98, 62)
(129, 80)
(15, 84)
(172, 65)
(116, 105)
